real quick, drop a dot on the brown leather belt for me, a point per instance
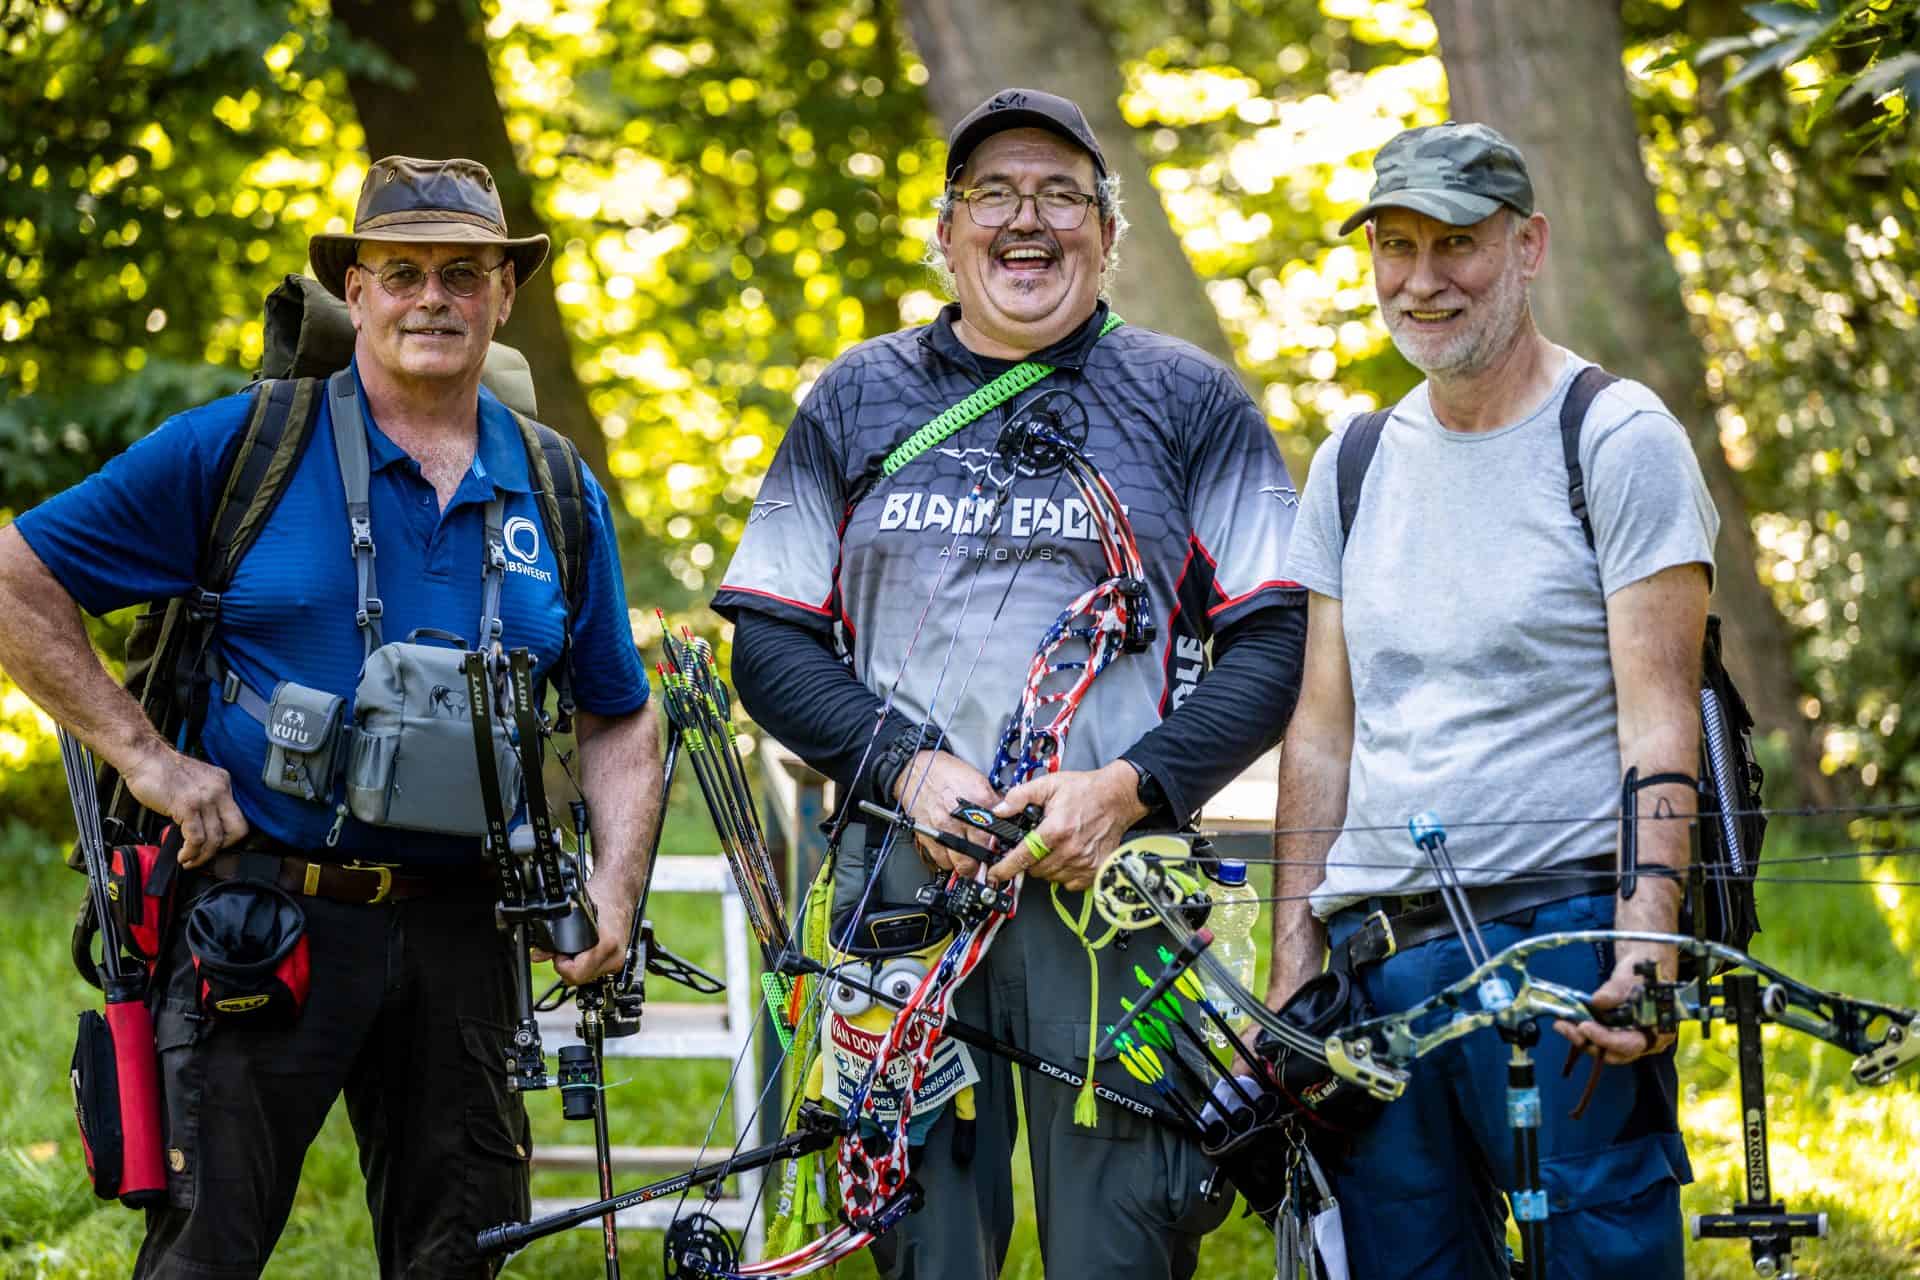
(354, 883)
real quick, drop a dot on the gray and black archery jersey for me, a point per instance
(908, 573)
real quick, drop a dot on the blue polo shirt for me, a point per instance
(134, 532)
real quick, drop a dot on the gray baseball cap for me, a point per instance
(1458, 173)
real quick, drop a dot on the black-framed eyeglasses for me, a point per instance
(1062, 210)
(402, 279)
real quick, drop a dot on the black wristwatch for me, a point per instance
(1148, 790)
(897, 755)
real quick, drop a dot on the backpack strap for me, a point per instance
(493, 573)
(559, 485)
(350, 447)
(1587, 384)
(284, 411)
(283, 414)
(1357, 448)
(560, 489)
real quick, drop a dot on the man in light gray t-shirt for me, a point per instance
(1475, 623)
(1475, 650)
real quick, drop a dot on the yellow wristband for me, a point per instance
(1035, 845)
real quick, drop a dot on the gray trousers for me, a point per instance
(1121, 1201)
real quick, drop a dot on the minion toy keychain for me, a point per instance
(853, 1027)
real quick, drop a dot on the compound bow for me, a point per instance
(1149, 881)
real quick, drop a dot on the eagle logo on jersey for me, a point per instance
(765, 510)
(988, 466)
(1284, 494)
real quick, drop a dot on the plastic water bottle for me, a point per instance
(1235, 909)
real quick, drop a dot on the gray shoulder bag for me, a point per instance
(410, 757)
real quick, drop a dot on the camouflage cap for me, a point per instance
(409, 201)
(1458, 173)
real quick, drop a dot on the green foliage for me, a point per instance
(50, 441)
(1799, 265)
(1259, 121)
(1866, 55)
(149, 187)
(738, 192)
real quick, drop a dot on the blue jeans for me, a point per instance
(1420, 1193)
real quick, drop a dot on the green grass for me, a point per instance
(1852, 1152)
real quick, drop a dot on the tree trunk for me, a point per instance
(449, 109)
(1549, 75)
(973, 48)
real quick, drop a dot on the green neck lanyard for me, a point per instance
(995, 393)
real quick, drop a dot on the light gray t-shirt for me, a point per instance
(1476, 627)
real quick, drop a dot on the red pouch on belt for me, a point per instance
(116, 1098)
(140, 885)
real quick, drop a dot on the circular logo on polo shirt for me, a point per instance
(523, 540)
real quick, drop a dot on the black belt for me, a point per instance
(1401, 922)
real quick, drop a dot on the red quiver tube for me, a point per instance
(116, 1097)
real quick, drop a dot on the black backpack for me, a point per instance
(1731, 828)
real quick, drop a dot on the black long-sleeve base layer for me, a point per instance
(795, 687)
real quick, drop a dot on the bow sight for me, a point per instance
(543, 904)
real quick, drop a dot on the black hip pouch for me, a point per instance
(1330, 1107)
(250, 954)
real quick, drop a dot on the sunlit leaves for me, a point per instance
(1840, 55)
(732, 188)
(144, 148)
(1800, 267)
(1256, 172)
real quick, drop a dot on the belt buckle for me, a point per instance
(1386, 931)
(380, 869)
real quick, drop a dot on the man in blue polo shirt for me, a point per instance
(412, 985)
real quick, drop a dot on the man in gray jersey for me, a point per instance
(1479, 648)
(884, 630)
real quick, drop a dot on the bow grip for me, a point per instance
(1427, 831)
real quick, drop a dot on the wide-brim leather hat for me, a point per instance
(409, 201)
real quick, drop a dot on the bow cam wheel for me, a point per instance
(698, 1245)
(1148, 867)
(1048, 427)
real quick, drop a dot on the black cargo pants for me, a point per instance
(409, 1011)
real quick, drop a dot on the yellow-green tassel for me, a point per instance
(1086, 1108)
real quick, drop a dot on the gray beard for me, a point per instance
(1470, 353)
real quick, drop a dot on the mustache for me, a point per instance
(445, 318)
